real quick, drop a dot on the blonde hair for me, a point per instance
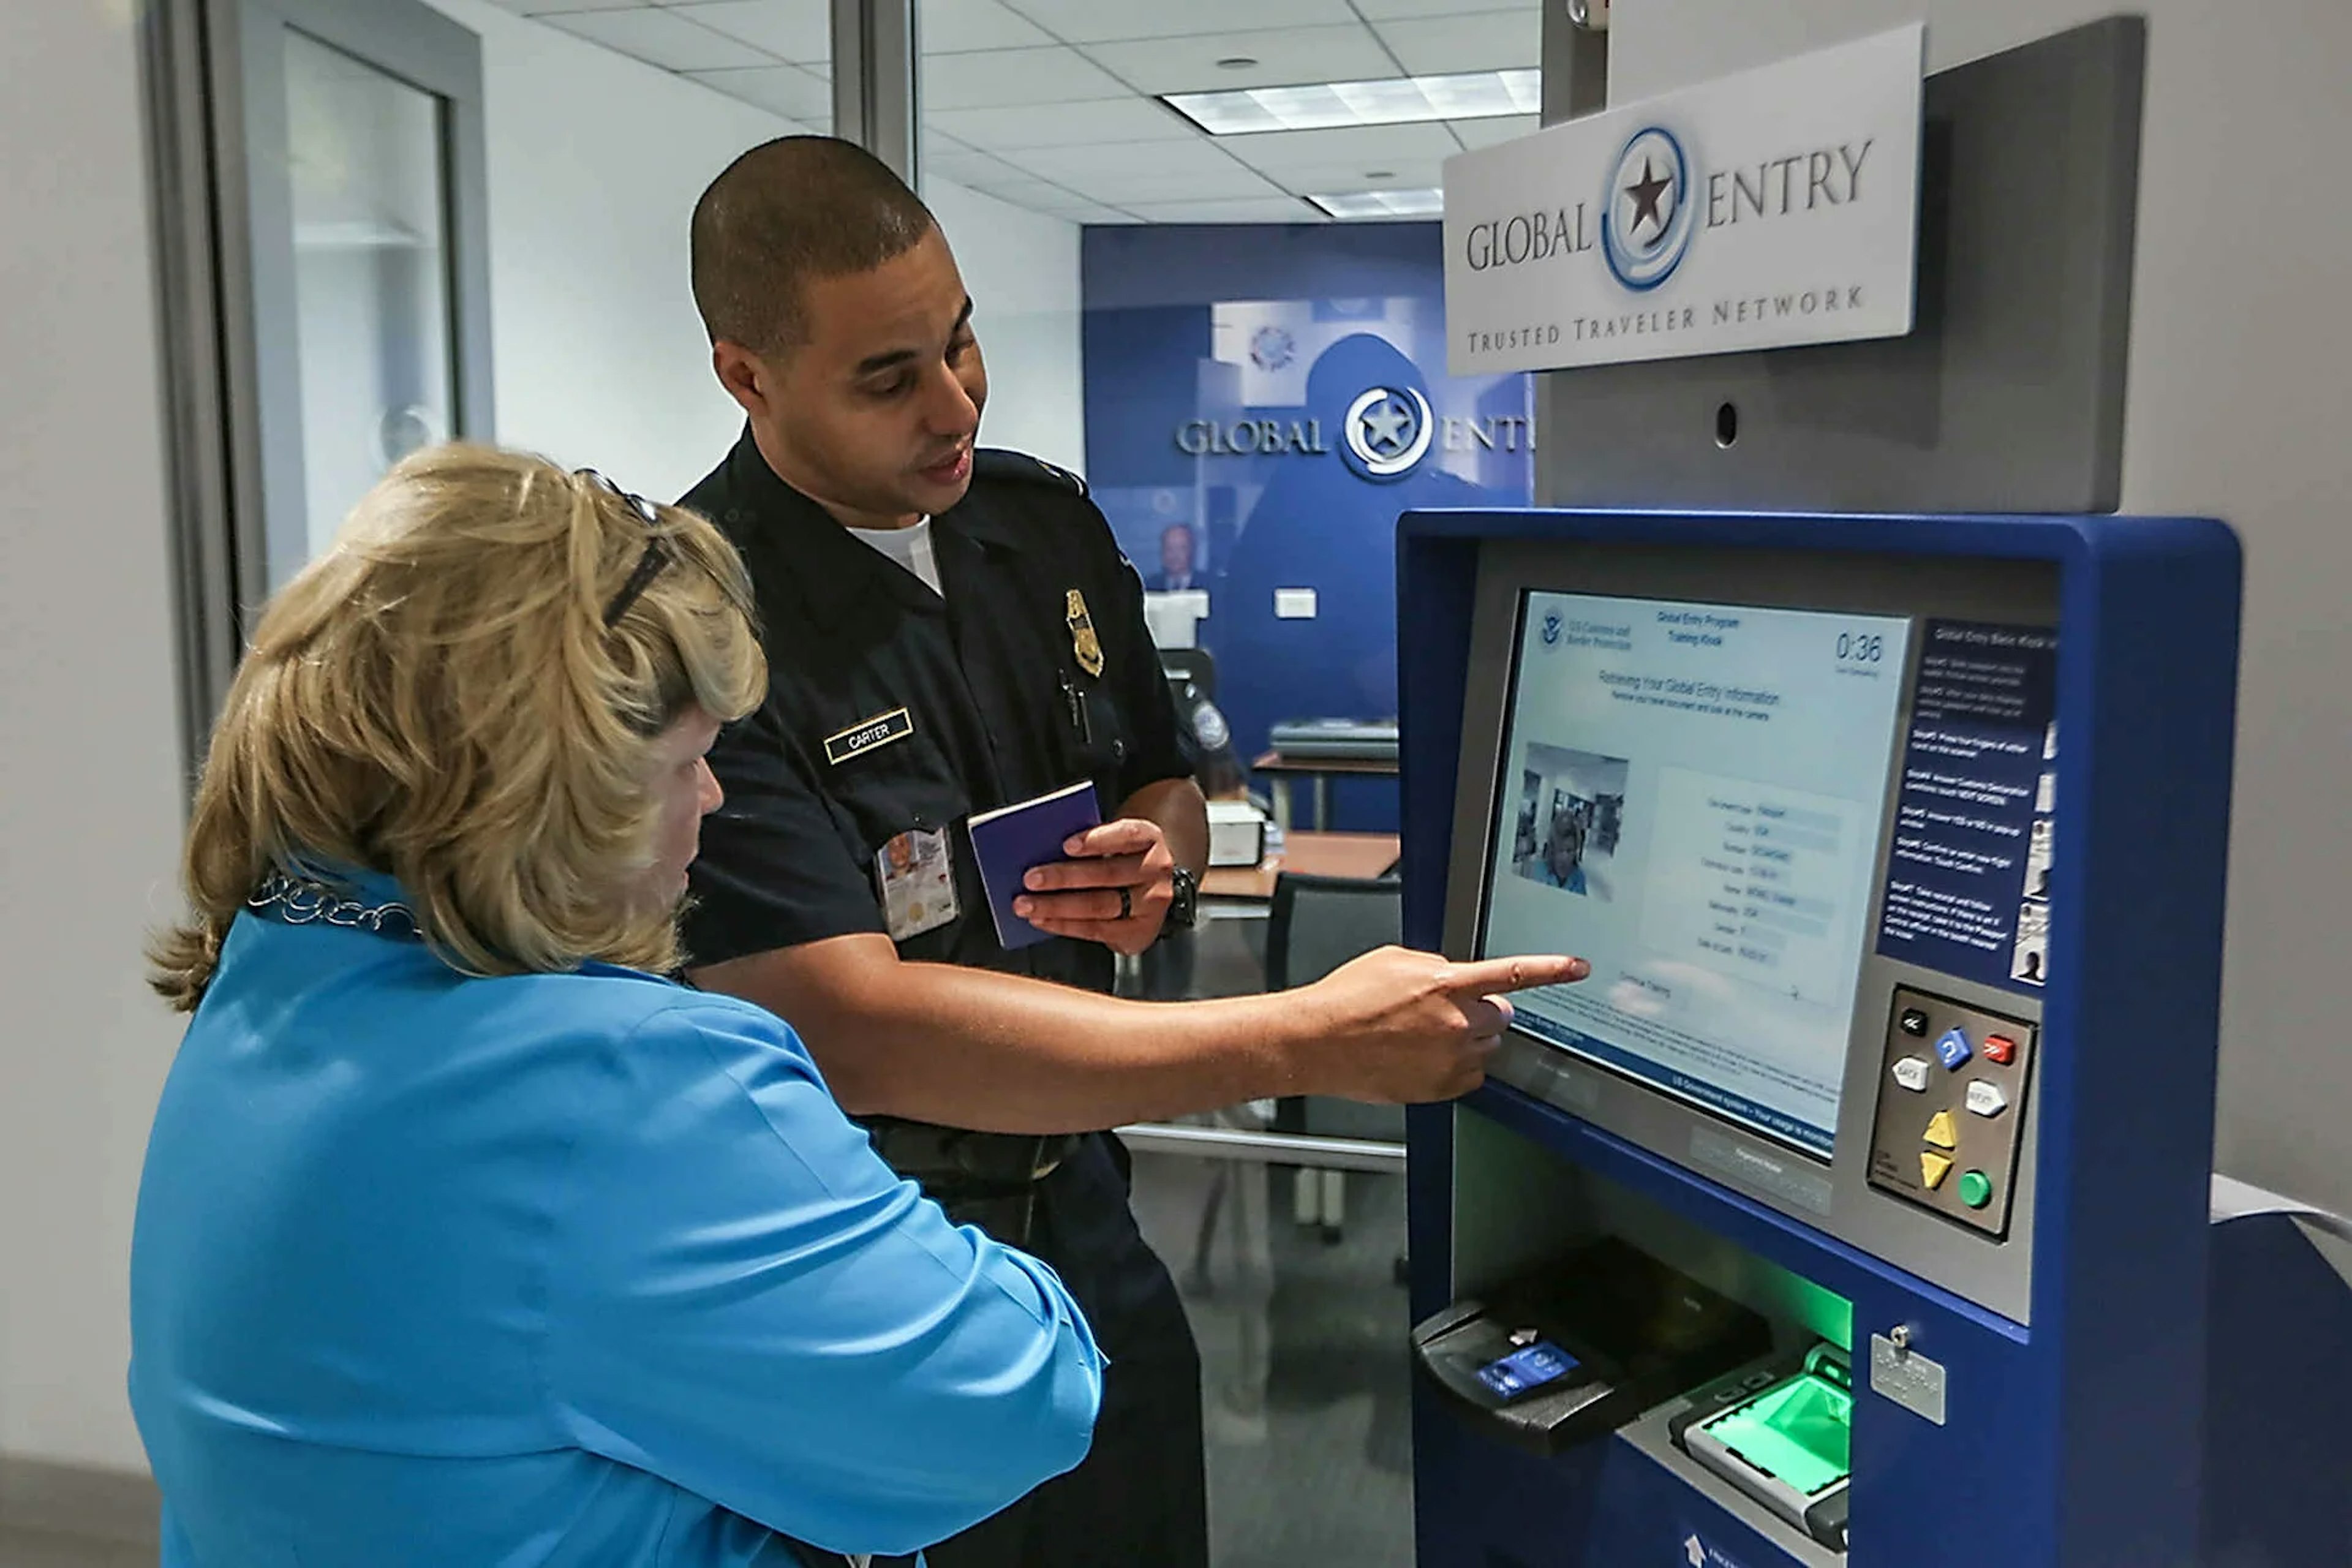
(438, 698)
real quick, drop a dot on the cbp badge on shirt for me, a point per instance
(1082, 641)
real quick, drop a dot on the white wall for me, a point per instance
(89, 799)
(595, 161)
(1022, 268)
(2241, 380)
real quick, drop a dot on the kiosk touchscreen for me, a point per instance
(1693, 794)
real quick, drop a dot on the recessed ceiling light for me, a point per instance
(1236, 63)
(1399, 100)
(1383, 204)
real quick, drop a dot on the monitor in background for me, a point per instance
(1174, 619)
(1692, 796)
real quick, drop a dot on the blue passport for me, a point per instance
(1013, 840)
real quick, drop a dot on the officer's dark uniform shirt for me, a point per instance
(999, 707)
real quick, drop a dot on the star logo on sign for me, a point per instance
(1648, 193)
(1384, 425)
(1696, 1549)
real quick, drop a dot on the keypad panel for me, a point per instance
(1951, 1106)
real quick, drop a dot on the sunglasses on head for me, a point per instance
(649, 564)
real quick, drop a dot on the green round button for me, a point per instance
(1975, 1189)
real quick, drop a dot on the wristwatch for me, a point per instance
(1184, 908)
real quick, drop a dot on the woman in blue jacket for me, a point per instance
(465, 1238)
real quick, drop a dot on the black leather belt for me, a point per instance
(984, 1179)
(954, 1156)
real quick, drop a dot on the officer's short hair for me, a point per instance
(796, 208)
(469, 692)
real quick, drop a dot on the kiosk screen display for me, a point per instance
(1691, 798)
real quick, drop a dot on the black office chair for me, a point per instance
(1316, 924)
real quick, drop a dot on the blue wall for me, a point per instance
(1221, 367)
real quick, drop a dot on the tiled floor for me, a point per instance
(1306, 1373)
(1302, 1337)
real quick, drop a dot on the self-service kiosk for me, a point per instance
(1897, 845)
(1855, 1210)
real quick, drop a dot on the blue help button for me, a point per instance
(1953, 1051)
(1531, 1367)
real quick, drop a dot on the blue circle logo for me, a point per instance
(1387, 433)
(1647, 215)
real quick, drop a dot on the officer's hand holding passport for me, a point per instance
(1081, 897)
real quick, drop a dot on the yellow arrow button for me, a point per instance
(1933, 1169)
(1941, 1132)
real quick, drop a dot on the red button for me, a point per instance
(2000, 1049)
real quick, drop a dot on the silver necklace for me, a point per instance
(298, 900)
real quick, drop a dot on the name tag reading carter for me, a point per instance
(870, 734)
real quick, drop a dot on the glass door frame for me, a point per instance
(222, 194)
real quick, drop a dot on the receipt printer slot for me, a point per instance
(1574, 1350)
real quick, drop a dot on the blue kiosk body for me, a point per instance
(1899, 843)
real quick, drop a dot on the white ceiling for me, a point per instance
(1053, 104)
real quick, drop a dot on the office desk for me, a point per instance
(1318, 772)
(1360, 855)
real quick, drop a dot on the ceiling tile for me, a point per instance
(963, 26)
(1365, 146)
(1193, 159)
(1496, 40)
(1095, 21)
(1390, 10)
(1490, 133)
(1035, 195)
(1341, 179)
(664, 38)
(1094, 122)
(1125, 190)
(1001, 79)
(800, 31)
(787, 90)
(964, 166)
(541, 7)
(1078, 209)
(1260, 209)
(1286, 56)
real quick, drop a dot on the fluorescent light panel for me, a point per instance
(1383, 204)
(1399, 100)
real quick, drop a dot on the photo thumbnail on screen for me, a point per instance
(1572, 819)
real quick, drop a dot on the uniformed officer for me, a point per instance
(950, 631)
